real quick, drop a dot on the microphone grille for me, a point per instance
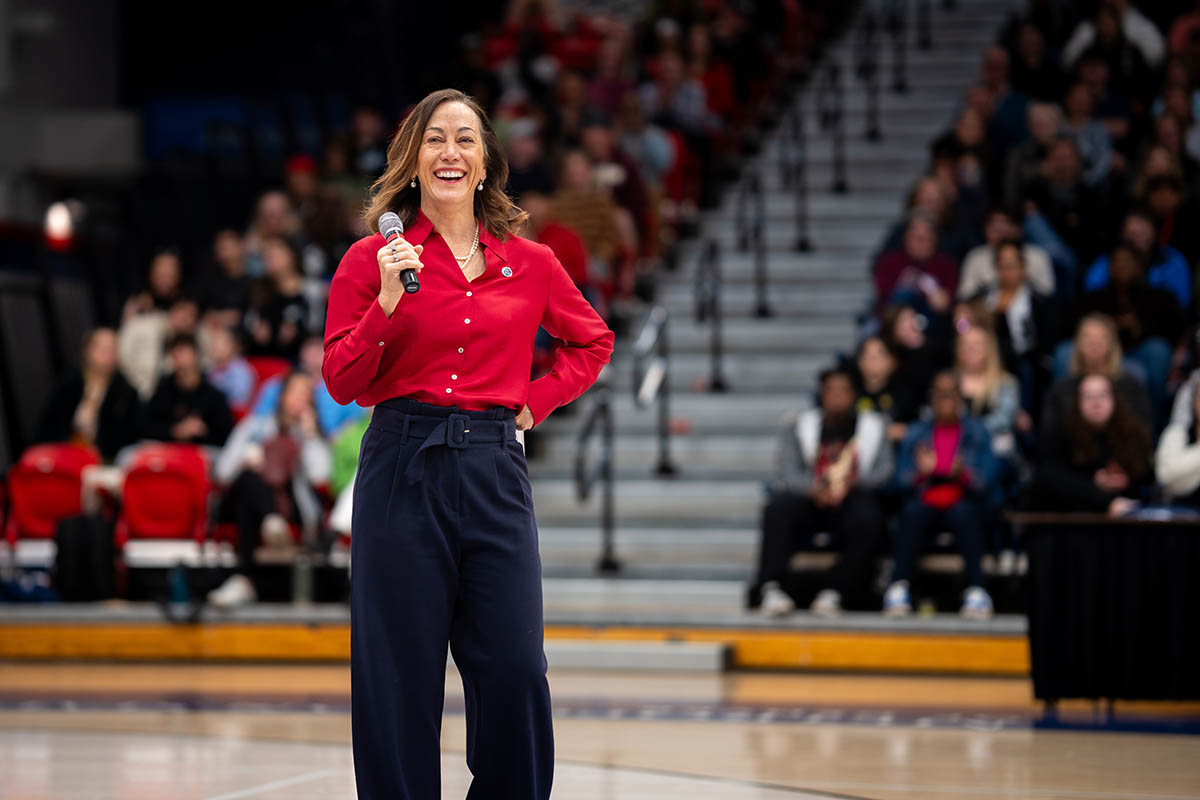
(389, 221)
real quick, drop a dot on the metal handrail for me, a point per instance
(896, 24)
(925, 24)
(708, 307)
(751, 232)
(587, 475)
(866, 66)
(794, 169)
(651, 382)
(830, 107)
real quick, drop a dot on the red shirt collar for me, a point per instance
(422, 227)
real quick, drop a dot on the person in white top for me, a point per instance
(1139, 30)
(979, 267)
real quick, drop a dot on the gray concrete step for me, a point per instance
(745, 371)
(706, 414)
(778, 334)
(787, 300)
(749, 454)
(710, 503)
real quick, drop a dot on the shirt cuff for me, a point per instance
(541, 399)
(376, 325)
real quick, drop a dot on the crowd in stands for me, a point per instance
(618, 132)
(1034, 314)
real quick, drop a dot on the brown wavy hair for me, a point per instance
(391, 190)
(1126, 436)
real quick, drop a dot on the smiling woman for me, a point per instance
(444, 541)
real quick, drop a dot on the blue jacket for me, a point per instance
(1170, 272)
(975, 448)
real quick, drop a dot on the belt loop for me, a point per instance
(404, 428)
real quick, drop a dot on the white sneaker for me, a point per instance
(828, 603)
(977, 604)
(895, 600)
(236, 591)
(775, 601)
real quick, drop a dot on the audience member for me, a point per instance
(920, 348)
(279, 315)
(881, 389)
(141, 342)
(1092, 138)
(991, 394)
(1097, 457)
(185, 407)
(271, 468)
(979, 266)
(916, 273)
(946, 464)
(94, 405)
(164, 285)
(1167, 267)
(225, 290)
(830, 461)
(1177, 459)
(331, 415)
(227, 370)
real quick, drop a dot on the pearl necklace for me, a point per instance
(464, 260)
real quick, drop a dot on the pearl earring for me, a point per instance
(479, 188)
(413, 183)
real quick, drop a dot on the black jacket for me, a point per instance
(170, 404)
(117, 423)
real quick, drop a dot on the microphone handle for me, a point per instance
(408, 277)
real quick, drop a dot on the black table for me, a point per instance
(1114, 607)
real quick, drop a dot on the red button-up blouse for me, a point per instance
(457, 342)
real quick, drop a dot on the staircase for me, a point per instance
(702, 524)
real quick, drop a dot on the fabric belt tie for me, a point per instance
(456, 431)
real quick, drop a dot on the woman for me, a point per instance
(880, 388)
(991, 394)
(1098, 458)
(1096, 348)
(280, 311)
(271, 467)
(94, 405)
(1177, 460)
(916, 272)
(444, 541)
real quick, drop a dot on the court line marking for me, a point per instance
(279, 784)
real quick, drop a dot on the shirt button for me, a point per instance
(447, 390)
(467, 321)
(453, 377)
(460, 349)
(381, 344)
(468, 294)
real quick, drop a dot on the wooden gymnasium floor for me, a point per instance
(219, 732)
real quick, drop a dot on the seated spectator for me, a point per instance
(979, 267)
(1166, 197)
(882, 390)
(831, 460)
(1024, 163)
(279, 315)
(1149, 320)
(1114, 110)
(946, 464)
(544, 228)
(614, 168)
(1062, 210)
(185, 407)
(1034, 70)
(141, 342)
(1095, 349)
(1095, 144)
(1128, 42)
(1177, 459)
(225, 290)
(916, 273)
(1168, 268)
(164, 285)
(271, 467)
(527, 168)
(1007, 123)
(588, 209)
(1025, 324)
(919, 347)
(957, 229)
(331, 415)
(93, 405)
(274, 218)
(992, 394)
(227, 370)
(1097, 457)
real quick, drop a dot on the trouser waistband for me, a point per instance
(436, 426)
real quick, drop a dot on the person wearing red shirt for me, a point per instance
(444, 541)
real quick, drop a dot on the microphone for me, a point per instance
(392, 228)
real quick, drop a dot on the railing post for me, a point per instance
(708, 308)
(867, 67)
(897, 26)
(799, 175)
(762, 308)
(830, 106)
(651, 382)
(608, 562)
(925, 24)
(665, 467)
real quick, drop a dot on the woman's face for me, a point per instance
(972, 350)
(945, 398)
(101, 354)
(164, 275)
(1096, 402)
(1094, 344)
(228, 248)
(451, 160)
(296, 397)
(970, 130)
(876, 363)
(909, 329)
(1010, 269)
(920, 240)
(278, 259)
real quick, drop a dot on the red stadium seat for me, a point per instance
(44, 487)
(266, 367)
(165, 495)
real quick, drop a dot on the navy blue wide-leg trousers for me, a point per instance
(444, 552)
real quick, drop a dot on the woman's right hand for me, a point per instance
(1121, 506)
(394, 258)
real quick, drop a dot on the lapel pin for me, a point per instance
(506, 272)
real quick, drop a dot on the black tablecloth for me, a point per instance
(1114, 607)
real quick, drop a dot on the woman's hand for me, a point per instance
(393, 259)
(525, 419)
(1121, 506)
